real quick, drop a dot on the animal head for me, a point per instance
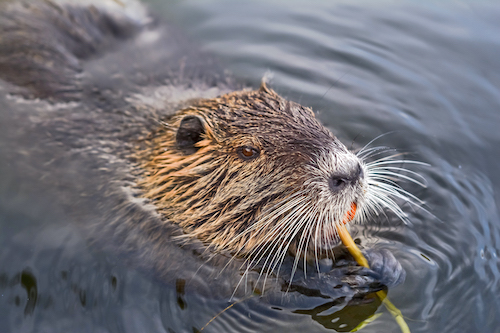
(252, 173)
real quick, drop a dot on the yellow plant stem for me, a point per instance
(353, 249)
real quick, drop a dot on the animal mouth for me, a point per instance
(328, 238)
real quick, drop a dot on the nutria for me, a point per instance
(169, 161)
(223, 167)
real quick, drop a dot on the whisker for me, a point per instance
(289, 230)
(288, 226)
(318, 228)
(297, 256)
(260, 248)
(275, 213)
(399, 192)
(391, 161)
(308, 235)
(383, 172)
(372, 141)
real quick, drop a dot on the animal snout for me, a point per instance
(338, 181)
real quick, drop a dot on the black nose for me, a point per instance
(338, 181)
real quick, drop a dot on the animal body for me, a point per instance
(166, 160)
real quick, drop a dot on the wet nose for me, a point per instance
(338, 181)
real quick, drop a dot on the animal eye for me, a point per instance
(248, 153)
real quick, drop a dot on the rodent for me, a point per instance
(223, 167)
(171, 149)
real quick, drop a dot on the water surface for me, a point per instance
(424, 75)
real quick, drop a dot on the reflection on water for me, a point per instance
(427, 73)
(26, 300)
(348, 317)
(28, 282)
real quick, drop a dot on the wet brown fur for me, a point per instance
(215, 195)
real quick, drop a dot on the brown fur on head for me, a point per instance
(239, 172)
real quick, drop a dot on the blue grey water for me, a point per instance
(425, 75)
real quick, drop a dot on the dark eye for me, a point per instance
(248, 153)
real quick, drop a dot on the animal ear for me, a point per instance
(189, 133)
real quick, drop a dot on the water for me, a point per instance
(424, 75)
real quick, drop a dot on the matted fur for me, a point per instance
(239, 205)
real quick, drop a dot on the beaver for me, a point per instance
(165, 158)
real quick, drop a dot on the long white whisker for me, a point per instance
(308, 235)
(296, 224)
(289, 228)
(373, 140)
(390, 161)
(261, 249)
(381, 172)
(293, 234)
(319, 228)
(276, 213)
(399, 192)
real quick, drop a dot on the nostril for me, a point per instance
(337, 183)
(359, 172)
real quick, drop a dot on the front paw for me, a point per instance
(387, 268)
(384, 271)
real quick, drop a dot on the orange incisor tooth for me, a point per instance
(349, 216)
